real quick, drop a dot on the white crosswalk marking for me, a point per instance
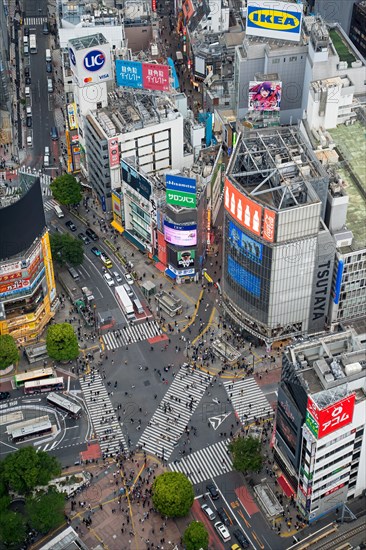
(106, 425)
(45, 185)
(248, 400)
(172, 416)
(31, 21)
(130, 334)
(207, 463)
(49, 205)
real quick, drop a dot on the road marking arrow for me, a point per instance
(216, 421)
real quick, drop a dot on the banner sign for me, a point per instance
(71, 116)
(113, 151)
(272, 19)
(147, 76)
(245, 211)
(181, 191)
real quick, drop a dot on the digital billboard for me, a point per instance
(272, 19)
(322, 422)
(264, 96)
(147, 76)
(245, 244)
(90, 65)
(180, 235)
(71, 116)
(113, 152)
(186, 258)
(251, 283)
(245, 211)
(136, 180)
(181, 191)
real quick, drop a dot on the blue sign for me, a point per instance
(179, 183)
(94, 60)
(338, 284)
(136, 180)
(174, 73)
(244, 244)
(104, 208)
(72, 56)
(129, 73)
(247, 280)
(278, 20)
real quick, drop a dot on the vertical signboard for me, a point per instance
(155, 77)
(278, 20)
(113, 151)
(322, 422)
(269, 220)
(162, 251)
(181, 191)
(71, 116)
(245, 211)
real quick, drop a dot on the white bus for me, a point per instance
(60, 402)
(40, 386)
(124, 301)
(32, 430)
(32, 43)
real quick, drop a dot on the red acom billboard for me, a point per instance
(322, 422)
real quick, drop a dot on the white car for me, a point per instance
(117, 276)
(108, 278)
(208, 511)
(129, 279)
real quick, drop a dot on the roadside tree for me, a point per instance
(195, 536)
(12, 528)
(172, 494)
(61, 342)
(9, 353)
(246, 454)
(45, 511)
(65, 248)
(66, 190)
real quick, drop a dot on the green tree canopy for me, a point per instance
(195, 536)
(246, 454)
(9, 353)
(23, 470)
(12, 528)
(61, 342)
(65, 248)
(172, 494)
(46, 511)
(66, 190)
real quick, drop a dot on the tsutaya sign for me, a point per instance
(272, 19)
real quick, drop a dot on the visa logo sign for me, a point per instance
(274, 22)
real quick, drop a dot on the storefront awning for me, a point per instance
(170, 274)
(117, 226)
(285, 486)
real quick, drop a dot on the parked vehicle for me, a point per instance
(208, 511)
(211, 488)
(49, 85)
(222, 531)
(54, 133)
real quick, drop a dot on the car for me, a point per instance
(117, 276)
(92, 234)
(26, 71)
(211, 488)
(208, 511)
(106, 261)
(29, 122)
(71, 226)
(46, 150)
(54, 133)
(45, 29)
(235, 547)
(48, 67)
(84, 238)
(28, 81)
(26, 31)
(223, 516)
(108, 278)
(222, 531)
(95, 251)
(242, 540)
(4, 395)
(129, 279)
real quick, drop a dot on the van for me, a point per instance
(48, 55)
(46, 161)
(49, 85)
(54, 133)
(27, 91)
(25, 40)
(128, 289)
(137, 304)
(74, 274)
(58, 211)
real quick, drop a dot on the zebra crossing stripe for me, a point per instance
(207, 463)
(131, 334)
(28, 21)
(248, 400)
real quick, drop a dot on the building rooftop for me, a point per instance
(277, 167)
(351, 144)
(88, 41)
(331, 367)
(87, 14)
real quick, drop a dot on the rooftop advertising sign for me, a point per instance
(147, 76)
(91, 65)
(181, 191)
(322, 422)
(245, 211)
(272, 19)
(180, 235)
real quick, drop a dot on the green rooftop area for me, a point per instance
(343, 50)
(351, 143)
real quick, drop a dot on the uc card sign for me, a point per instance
(271, 19)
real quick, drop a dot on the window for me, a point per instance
(293, 58)
(275, 60)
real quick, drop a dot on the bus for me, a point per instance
(40, 374)
(32, 43)
(124, 301)
(64, 405)
(40, 386)
(32, 430)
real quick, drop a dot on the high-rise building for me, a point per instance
(357, 31)
(320, 440)
(27, 286)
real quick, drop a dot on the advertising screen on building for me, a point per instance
(322, 422)
(181, 191)
(251, 283)
(244, 244)
(278, 20)
(113, 152)
(264, 96)
(136, 180)
(91, 65)
(186, 258)
(147, 76)
(180, 235)
(199, 65)
(246, 212)
(71, 116)
(269, 220)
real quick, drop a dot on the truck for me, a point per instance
(124, 301)
(33, 43)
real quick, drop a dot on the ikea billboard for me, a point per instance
(271, 19)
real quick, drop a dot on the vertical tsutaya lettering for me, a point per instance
(321, 292)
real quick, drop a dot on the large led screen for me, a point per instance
(251, 283)
(180, 235)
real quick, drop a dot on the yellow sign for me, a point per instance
(207, 277)
(274, 19)
(71, 116)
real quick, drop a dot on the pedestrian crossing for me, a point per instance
(50, 205)
(106, 426)
(174, 412)
(248, 400)
(207, 463)
(130, 334)
(32, 21)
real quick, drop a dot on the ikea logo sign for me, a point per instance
(272, 20)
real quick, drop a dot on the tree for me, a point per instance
(65, 248)
(46, 511)
(195, 536)
(61, 342)
(66, 190)
(172, 494)
(246, 454)
(9, 353)
(12, 528)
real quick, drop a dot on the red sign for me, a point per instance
(334, 489)
(188, 9)
(334, 417)
(15, 285)
(269, 220)
(162, 251)
(153, 5)
(10, 277)
(113, 151)
(155, 77)
(244, 210)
